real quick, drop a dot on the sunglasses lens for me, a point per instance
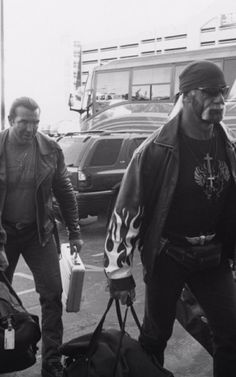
(214, 92)
(225, 91)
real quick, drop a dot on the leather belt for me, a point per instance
(18, 226)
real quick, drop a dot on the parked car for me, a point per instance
(96, 162)
(97, 156)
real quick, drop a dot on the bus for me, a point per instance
(151, 80)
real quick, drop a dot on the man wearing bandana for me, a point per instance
(177, 205)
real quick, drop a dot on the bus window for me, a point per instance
(161, 91)
(111, 87)
(151, 83)
(141, 92)
(230, 72)
(152, 75)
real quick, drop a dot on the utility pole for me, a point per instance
(2, 83)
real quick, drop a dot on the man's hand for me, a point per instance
(3, 259)
(125, 297)
(75, 245)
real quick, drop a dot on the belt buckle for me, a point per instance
(19, 226)
(200, 240)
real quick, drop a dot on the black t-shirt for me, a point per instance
(203, 183)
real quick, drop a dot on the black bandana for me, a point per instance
(201, 73)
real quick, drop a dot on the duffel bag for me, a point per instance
(19, 331)
(110, 352)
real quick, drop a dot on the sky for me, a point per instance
(37, 35)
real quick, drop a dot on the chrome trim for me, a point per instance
(200, 240)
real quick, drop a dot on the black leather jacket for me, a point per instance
(51, 177)
(143, 203)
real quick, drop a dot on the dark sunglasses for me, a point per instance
(214, 92)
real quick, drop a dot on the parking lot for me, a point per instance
(184, 356)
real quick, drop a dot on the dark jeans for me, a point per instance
(44, 265)
(214, 289)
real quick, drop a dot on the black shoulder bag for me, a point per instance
(19, 331)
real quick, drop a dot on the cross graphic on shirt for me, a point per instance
(211, 177)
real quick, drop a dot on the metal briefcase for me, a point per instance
(72, 274)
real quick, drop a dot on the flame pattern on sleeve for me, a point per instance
(120, 243)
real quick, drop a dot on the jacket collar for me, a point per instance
(45, 144)
(3, 136)
(167, 135)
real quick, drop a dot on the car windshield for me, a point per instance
(72, 147)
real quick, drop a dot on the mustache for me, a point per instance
(213, 113)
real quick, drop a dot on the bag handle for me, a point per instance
(97, 332)
(118, 312)
(129, 304)
(120, 340)
(135, 317)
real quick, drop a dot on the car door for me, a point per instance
(105, 167)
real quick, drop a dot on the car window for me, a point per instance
(72, 148)
(134, 143)
(106, 152)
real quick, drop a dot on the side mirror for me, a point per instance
(75, 101)
(81, 111)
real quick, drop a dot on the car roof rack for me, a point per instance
(108, 132)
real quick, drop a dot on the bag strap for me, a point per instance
(120, 341)
(122, 323)
(135, 317)
(98, 330)
(5, 280)
(133, 312)
(118, 312)
(129, 305)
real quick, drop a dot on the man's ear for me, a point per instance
(10, 120)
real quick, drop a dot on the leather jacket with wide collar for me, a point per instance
(50, 176)
(144, 199)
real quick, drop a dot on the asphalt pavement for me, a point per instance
(184, 356)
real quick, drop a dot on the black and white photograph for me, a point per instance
(118, 188)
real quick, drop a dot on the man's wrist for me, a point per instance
(75, 234)
(124, 284)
